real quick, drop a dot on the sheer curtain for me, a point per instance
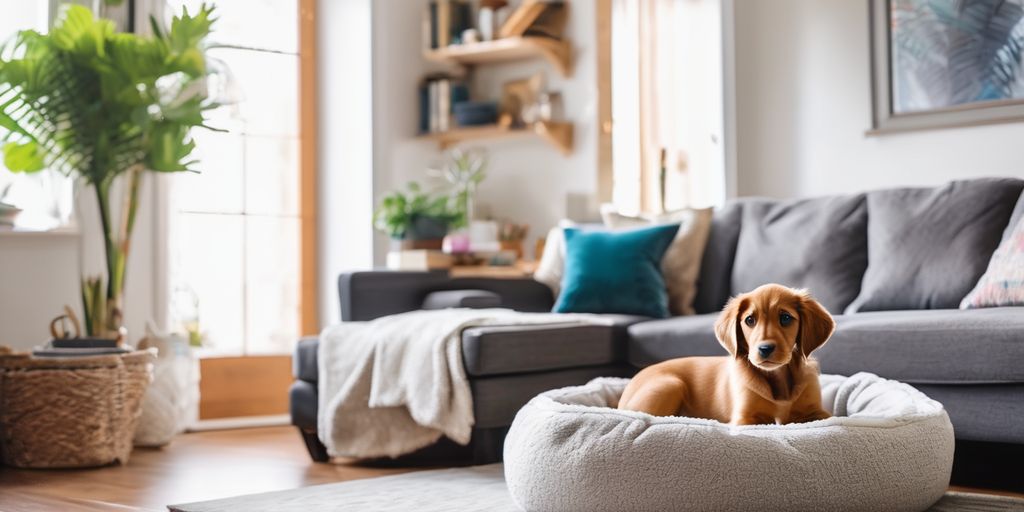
(667, 104)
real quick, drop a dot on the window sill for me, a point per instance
(23, 232)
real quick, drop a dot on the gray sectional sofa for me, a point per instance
(891, 265)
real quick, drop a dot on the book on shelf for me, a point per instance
(444, 105)
(443, 23)
(438, 94)
(421, 259)
(445, 20)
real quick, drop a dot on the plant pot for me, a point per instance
(426, 228)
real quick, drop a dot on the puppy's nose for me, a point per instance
(765, 350)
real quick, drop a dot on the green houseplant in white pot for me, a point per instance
(415, 219)
(105, 107)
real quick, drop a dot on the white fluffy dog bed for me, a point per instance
(887, 447)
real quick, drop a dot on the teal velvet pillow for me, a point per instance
(615, 271)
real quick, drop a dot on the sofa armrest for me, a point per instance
(304, 363)
(474, 299)
(373, 294)
(520, 294)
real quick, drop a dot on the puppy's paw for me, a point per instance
(812, 416)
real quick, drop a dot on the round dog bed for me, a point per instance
(887, 447)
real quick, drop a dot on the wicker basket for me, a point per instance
(71, 412)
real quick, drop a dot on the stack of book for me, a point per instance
(438, 96)
(418, 260)
(79, 347)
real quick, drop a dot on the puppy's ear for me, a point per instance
(728, 329)
(816, 324)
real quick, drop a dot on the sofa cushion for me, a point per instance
(474, 299)
(989, 413)
(977, 346)
(498, 350)
(657, 340)
(506, 394)
(974, 346)
(715, 279)
(927, 247)
(819, 244)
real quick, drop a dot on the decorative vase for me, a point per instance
(515, 246)
(427, 228)
(171, 404)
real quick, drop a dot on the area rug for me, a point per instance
(473, 489)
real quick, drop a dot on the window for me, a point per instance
(45, 197)
(667, 103)
(236, 227)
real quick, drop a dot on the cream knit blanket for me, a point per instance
(396, 384)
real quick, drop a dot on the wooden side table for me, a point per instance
(521, 269)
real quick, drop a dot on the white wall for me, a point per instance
(803, 100)
(528, 181)
(40, 272)
(345, 158)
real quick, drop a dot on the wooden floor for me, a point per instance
(195, 467)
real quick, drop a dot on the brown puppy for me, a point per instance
(769, 376)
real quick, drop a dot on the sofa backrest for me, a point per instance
(819, 244)
(715, 279)
(909, 248)
(928, 246)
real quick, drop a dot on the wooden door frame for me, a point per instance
(309, 320)
(258, 385)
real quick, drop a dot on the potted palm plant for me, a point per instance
(105, 107)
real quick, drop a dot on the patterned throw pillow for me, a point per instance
(1003, 282)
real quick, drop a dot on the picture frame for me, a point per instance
(888, 113)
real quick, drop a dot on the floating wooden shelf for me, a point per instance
(557, 134)
(559, 53)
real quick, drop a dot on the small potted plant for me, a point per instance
(415, 218)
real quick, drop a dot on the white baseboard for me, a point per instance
(275, 420)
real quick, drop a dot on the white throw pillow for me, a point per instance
(552, 262)
(681, 264)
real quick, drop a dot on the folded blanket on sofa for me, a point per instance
(396, 384)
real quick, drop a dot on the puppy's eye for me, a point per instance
(749, 320)
(785, 319)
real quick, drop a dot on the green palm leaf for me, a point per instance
(87, 101)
